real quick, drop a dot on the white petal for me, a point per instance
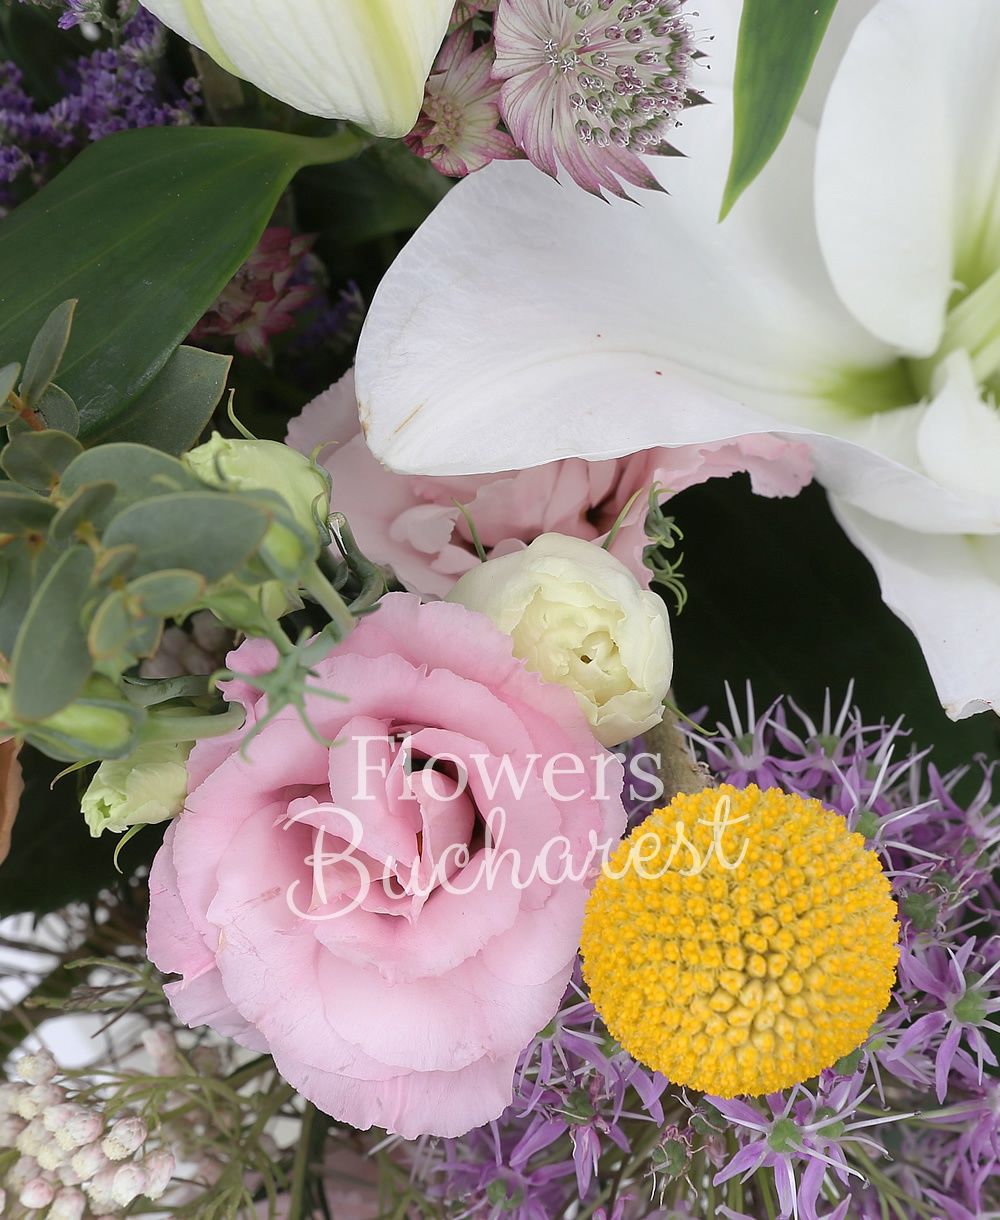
(362, 60)
(947, 591)
(845, 20)
(959, 437)
(907, 164)
(596, 330)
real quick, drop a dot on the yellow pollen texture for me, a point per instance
(746, 979)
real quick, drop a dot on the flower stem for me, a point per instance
(193, 727)
(321, 591)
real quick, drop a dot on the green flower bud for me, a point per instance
(97, 724)
(268, 466)
(148, 786)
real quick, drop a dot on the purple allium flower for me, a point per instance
(457, 130)
(592, 85)
(264, 296)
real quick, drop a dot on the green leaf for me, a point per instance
(8, 379)
(58, 410)
(137, 471)
(779, 596)
(109, 628)
(51, 664)
(86, 506)
(38, 459)
(145, 228)
(211, 533)
(47, 352)
(23, 512)
(27, 565)
(173, 412)
(777, 45)
(168, 593)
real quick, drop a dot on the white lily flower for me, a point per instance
(362, 60)
(851, 299)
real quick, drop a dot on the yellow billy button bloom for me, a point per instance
(744, 944)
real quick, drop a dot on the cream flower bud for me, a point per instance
(577, 616)
(21, 1173)
(146, 787)
(57, 1116)
(33, 1137)
(50, 1156)
(68, 1205)
(9, 1094)
(90, 1161)
(125, 1137)
(130, 1182)
(10, 1128)
(36, 1194)
(38, 1068)
(362, 60)
(99, 1189)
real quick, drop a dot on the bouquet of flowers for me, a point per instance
(499, 601)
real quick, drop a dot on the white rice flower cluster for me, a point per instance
(70, 1160)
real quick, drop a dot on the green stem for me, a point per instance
(191, 728)
(321, 591)
(341, 146)
(296, 1207)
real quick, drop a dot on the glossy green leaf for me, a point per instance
(175, 409)
(777, 45)
(38, 459)
(51, 664)
(46, 352)
(180, 209)
(211, 533)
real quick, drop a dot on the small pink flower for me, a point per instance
(414, 524)
(457, 130)
(386, 996)
(264, 296)
(593, 86)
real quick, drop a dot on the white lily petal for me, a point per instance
(845, 20)
(947, 591)
(902, 200)
(959, 437)
(596, 329)
(362, 60)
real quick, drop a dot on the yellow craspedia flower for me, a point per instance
(735, 969)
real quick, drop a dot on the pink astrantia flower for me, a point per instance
(264, 296)
(593, 85)
(385, 996)
(414, 524)
(457, 130)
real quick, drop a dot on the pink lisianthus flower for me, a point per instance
(414, 522)
(393, 979)
(458, 128)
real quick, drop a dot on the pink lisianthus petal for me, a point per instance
(413, 523)
(384, 1005)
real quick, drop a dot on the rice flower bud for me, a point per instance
(9, 1093)
(269, 466)
(98, 1190)
(148, 786)
(37, 1068)
(82, 1128)
(55, 1117)
(3, 1200)
(759, 958)
(34, 1101)
(50, 1156)
(90, 1161)
(68, 1205)
(161, 1046)
(125, 1137)
(32, 1138)
(67, 1175)
(21, 1173)
(159, 1167)
(577, 616)
(130, 1182)
(36, 1194)
(10, 1128)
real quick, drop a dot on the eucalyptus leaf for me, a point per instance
(174, 410)
(137, 471)
(86, 505)
(147, 692)
(22, 511)
(46, 352)
(109, 627)
(58, 410)
(211, 533)
(51, 663)
(168, 593)
(114, 562)
(27, 565)
(8, 379)
(178, 210)
(38, 459)
(778, 43)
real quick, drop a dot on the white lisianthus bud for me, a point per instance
(38, 1068)
(577, 616)
(37, 1194)
(362, 60)
(146, 787)
(68, 1205)
(125, 1137)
